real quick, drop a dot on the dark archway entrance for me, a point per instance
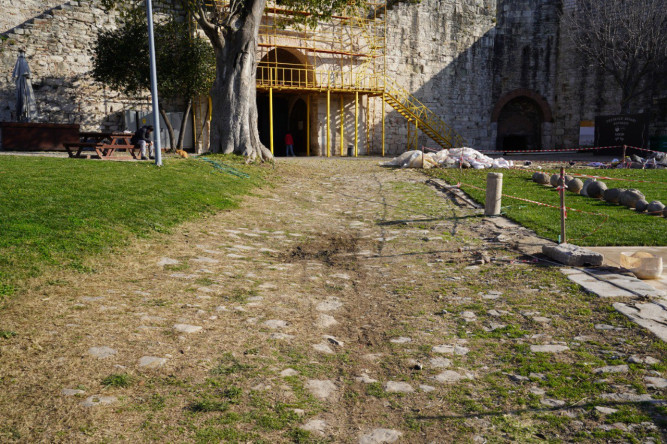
(519, 117)
(280, 121)
(297, 126)
(520, 125)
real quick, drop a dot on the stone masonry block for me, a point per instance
(572, 255)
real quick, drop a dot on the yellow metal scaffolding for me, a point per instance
(344, 55)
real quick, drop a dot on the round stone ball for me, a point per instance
(575, 185)
(554, 180)
(613, 195)
(587, 183)
(655, 208)
(541, 178)
(629, 198)
(568, 178)
(597, 189)
(641, 206)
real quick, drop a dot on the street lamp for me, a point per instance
(156, 109)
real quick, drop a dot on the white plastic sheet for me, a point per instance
(447, 159)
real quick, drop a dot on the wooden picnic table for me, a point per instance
(105, 144)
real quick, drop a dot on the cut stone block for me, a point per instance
(572, 255)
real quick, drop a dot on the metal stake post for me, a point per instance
(271, 119)
(156, 109)
(563, 214)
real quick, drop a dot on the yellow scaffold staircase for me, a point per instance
(421, 116)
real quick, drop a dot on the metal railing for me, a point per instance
(286, 76)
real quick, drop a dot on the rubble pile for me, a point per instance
(653, 161)
(451, 158)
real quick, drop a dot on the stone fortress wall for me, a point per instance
(15, 12)
(442, 52)
(58, 45)
(498, 71)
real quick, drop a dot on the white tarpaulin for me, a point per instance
(451, 158)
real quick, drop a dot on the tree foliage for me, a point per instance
(186, 65)
(627, 38)
(228, 19)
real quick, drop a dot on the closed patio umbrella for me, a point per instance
(26, 108)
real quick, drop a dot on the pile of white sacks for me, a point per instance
(452, 158)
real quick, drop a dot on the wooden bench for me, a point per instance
(103, 144)
(76, 149)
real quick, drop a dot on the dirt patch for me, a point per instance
(332, 250)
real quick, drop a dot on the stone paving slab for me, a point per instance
(652, 316)
(608, 284)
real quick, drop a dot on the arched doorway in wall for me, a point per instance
(289, 74)
(520, 116)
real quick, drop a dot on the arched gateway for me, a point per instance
(520, 117)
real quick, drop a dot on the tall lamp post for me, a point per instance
(156, 109)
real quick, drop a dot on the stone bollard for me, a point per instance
(494, 191)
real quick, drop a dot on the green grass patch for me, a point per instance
(6, 334)
(58, 212)
(120, 380)
(622, 226)
(509, 331)
(208, 405)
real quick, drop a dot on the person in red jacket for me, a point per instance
(289, 145)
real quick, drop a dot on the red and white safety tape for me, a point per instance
(560, 150)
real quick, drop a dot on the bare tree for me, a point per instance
(627, 38)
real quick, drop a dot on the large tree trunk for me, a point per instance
(170, 129)
(181, 134)
(234, 124)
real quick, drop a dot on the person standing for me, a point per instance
(289, 145)
(142, 138)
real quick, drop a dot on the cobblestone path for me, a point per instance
(345, 303)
